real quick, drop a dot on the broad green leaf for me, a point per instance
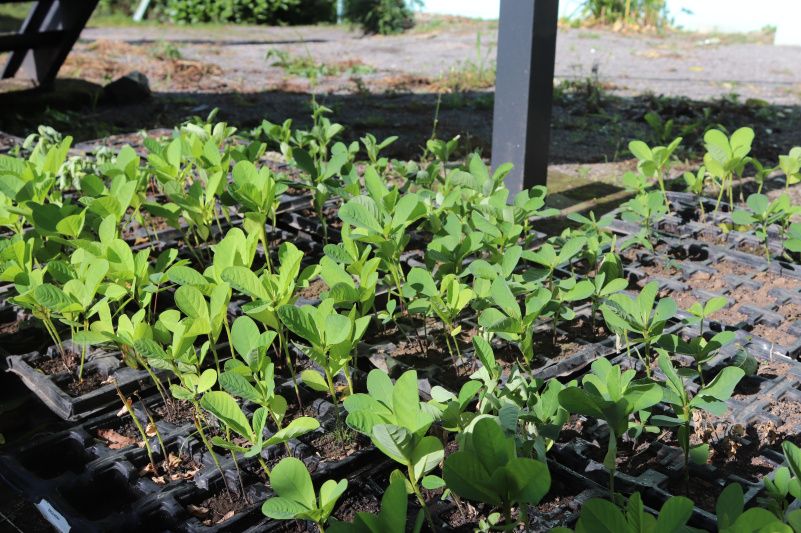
(223, 406)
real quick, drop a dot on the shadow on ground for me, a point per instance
(589, 126)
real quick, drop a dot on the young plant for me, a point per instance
(612, 396)
(373, 149)
(567, 292)
(711, 398)
(602, 516)
(296, 498)
(643, 316)
(790, 165)
(331, 338)
(397, 423)
(725, 158)
(257, 193)
(608, 281)
(391, 518)
(253, 378)
(700, 312)
(644, 209)
(446, 301)
(347, 292)
(269, 292)
(529, 409)
(784, 487)
(451, 246)
(509, 321)
(655, 162)
(762, 213)
(225, 408)
(547, 257)
(695, 184)
(500, 479)
(383, 219)
(732, 517)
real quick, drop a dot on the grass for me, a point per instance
(471, 75)
(306, 66)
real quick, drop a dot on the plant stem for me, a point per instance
(199, 427)
(263, 465)
(139, 428)
(282, 342)
(420, 498)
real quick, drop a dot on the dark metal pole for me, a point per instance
(521, 126)
(43, 54)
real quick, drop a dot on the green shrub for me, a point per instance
(634, 12)
(381, 16)
(247, 11)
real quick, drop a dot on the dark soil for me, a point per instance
(221, 506)
(554, 510)
(174, 468)
(772, 369)
(747, 295)
(90, 382)
(632, 458)
(703, 493)
(357, 502)
(178, 412)
(791, 311)
(127, 429)
(582, 328)
(752, 248)
(57, 364)
(656, 269)
(313, 291)
(329, 447)
(564, 346)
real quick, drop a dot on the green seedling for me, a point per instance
(347, 292)
(602, 516)
(547, 257)
(655, 162)
(711, 398)
(391, 518)
(253, 378)
(509, 321)
(331, 341)
(382, 219)
(644, 209)
(500, 479)
(700, 312)
(567, 292)
(446, 300)
(271, 291)
(225, 408)
(790, 165)
(257, 192)
(642, 317)
(452, 246)
(397, 423)
(296, 498)
(725, 158)
(612, 396)
(762, 214)
(695, 184)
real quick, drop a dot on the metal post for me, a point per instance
(521, 126)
